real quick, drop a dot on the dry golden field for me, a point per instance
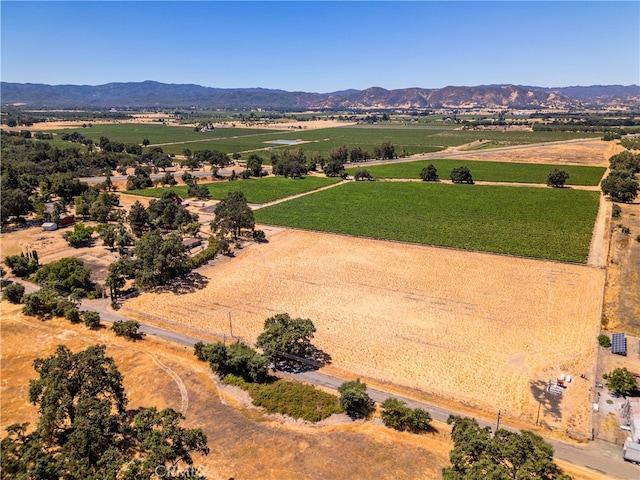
(244, 443)
(485, 331)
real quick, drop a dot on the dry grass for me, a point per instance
(480, 329)
(244, 443)
(590, 152)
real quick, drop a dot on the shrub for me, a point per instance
(259, 236)
(295, 399)
(13, 292)
(461, 175)
(22, 265)
(354, 398)
(398, 416)
(91, 319)
(624, 229)
(604, 340)
(128, 329)
(429, 173)
(616, 211)
(71, 313)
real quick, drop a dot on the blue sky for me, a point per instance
(322, 46)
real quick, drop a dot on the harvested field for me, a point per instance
(577, 152)
(483, 330)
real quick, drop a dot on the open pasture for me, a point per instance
(553, 224)
(160, 134)
(487, 171)
(257, 190)
(479, 329)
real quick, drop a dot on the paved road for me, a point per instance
(599, 456)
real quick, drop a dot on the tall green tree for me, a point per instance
(138, 219)
(354, 398)
(477, 454)
(429, 173)
(287, 335)
(620, 186)
(621, 381)
(84, 431)
(159, 259)
(557, 178)
(233, 215)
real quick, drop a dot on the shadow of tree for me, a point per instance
(549, 401)
(314, 361)
(187, 283)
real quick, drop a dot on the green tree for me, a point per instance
(138, 219)
(397, 415)
(67, 274)
(84, 431)
(22, 265)
(429, 173)
(362, 175)
(604, 340)
(200, 192)
(354, 398)
(168, 212)
(557, 178)
(159, 259)
(461, 175)
(168, 179)
(80, 236)
(91, 319)
(107, 234)
(506, 455)
(13, 292)
(15, 203)
(233, 214)
(101, 207)
(620, 186)
(254, 164)
(621, 381)
(126, 328)
(286, 335)
(115, 278)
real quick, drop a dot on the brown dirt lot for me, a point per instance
(581, 152)
(487, 331)
(622, 295)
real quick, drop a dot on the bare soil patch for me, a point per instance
(485, 331)
(622, 293)
(590, 152)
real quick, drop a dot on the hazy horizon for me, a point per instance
(322, 46)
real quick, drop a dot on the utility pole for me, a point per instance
(499, 417)
(230, 325)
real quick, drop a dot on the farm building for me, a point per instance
(49, 226)
(191, 243)
(66, 220)
(631, 417)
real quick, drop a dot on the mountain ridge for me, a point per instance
(153, 94)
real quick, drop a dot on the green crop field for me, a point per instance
(487, 171)
(413, 138)
(531, 222)
(257, 190)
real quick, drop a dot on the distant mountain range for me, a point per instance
(151, 94)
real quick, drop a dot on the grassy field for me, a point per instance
(260, 190)
(541, 223)
(161, 134)
(414, 139)
(487, 171)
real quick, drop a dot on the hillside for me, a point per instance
(150, 94)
